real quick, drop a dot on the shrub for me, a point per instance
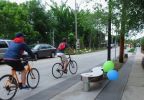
(132, 50)
(142, 43)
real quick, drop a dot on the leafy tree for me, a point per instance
(65, 21)
(14, 18)
(39, 19)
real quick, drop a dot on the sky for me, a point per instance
(137, 36)
(71, 3)
(82, 5)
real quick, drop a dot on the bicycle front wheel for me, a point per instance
(57, 70)
(73, 67)
(33, 78)
(8, 87)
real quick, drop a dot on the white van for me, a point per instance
(3, 47)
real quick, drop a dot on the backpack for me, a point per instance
(61, 46)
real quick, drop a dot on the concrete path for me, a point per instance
(135, 87)
(130, 85)
(70, 89)
(114, 89)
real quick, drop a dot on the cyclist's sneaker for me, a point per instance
(20, 85)
(24, 87)
(65, 71)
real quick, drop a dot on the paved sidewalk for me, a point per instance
(129, 86)
(76, 92)
(114, 89)
(109, 90)
(135, 87)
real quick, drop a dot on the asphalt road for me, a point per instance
(47, 81)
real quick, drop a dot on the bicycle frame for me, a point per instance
(69, 59)
(11, 82)
(59, 67)
(14, 74)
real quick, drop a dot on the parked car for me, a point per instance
(43, 50)
(3, 47)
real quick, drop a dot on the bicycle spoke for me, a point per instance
(73, 67)
(33, 78)
(32, 75)
(8, 87)
(57, 71)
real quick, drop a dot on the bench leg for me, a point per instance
(86, 86)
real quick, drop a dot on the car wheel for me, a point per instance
(52, 55)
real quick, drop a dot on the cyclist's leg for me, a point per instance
(18, 66)
(23, 77)
(23, 72)
(65, 60)
(59, 54)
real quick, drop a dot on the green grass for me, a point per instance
(131, 50)
(82, 51)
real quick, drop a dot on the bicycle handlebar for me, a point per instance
(69, 55)
(27, 59)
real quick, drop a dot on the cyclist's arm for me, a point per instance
(28, 50)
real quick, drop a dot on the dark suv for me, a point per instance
(3, 47)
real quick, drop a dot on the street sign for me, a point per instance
(77, 44)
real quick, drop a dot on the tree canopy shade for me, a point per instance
(133, 15)
(41, 25)
(13, 18)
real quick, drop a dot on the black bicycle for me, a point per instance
(57, 69)
(9, 83)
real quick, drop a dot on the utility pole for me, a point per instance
(53, 40)
(115, 45)
(76, 24)
(109, 30)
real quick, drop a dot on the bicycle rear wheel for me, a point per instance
(33, 78)
(73, 67)
(57, 70)
(8, 87)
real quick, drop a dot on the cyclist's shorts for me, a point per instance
(63, 56)
(16, 65)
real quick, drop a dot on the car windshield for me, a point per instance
(34, 46)
(37, 46)
(4, 43)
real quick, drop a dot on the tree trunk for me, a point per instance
(122, 33)
(109, 30)
(90, 40)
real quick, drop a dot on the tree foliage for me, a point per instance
(40, 24)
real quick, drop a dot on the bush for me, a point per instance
(70, 51)
(142, 63)
(132, 50)
(142, 44)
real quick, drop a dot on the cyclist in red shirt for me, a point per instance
(60, 52)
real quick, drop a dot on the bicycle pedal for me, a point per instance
(12, 80)
(65, 72)
(20, 85)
